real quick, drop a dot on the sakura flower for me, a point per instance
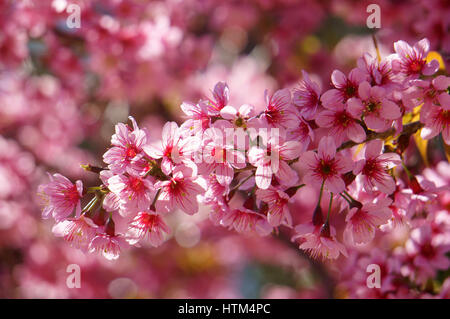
(272, 161)
(61, 197)
(239, 118)
(173, 149)
(411, 61)
(198, 118)
(246, 221)
(373, 168)
(326, 166)
(437, 120)
(341, 124)
(428, 254)
(279, 112)
(221, 96)
(220, 155)
(215, 191)
(277, 200)
(363, 222)
(377, 109)
(179, 192)
(127, 147)
(435, 112)
(303, 133)
(432, 93)
(319, 241)
(77, 231)
(111, 201)
(108, 245)
(345, 87)
(307, 97)
(379, 72)
(135, 193)
(147, 225)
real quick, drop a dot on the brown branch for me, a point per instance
(408, 129)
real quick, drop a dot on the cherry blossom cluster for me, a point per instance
(248, 167)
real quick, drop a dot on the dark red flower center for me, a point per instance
(136, 184)
(131, 151)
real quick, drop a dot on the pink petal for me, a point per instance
(356, 133)
(246, 110)
(355, 107)
(228, 112)
(373, 148)
(327, 147)
(338, 79)
(431, 67)
(375, 123)
(389, 110)
(263, 176)
(325, 118)
(285, 174)
(335, 184)
(290, 150)
(364, 90)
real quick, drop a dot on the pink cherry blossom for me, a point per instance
(345, 87)
(179, 192)
(61, 197)
(272, 161)
(379, 72)
(432, 93)
(174, 150)
(429, 255)
(239, 118)
(303, 133)
(411, 61)
(278, 211)
(126, 147)
(109, 246)
(198, 117)
(246, 221)
(220, 155)
(77, 231)
(373, 168)
(111, 201)
(319, 241)
(341, 124)
(279, 112)
(326, 166)
(135, 193)
(147, 226)
(373, 105)
(436, 108)
(221, 96)
(363, 222)
(307, 97)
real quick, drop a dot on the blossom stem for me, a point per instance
(152, 206)
(344, 197)
(95, 189)
(242, 181)
(321, 192)
(407, 171)
(349, 196)
(90, 168)
(375, 43)
(329, 208)
(90, 204)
